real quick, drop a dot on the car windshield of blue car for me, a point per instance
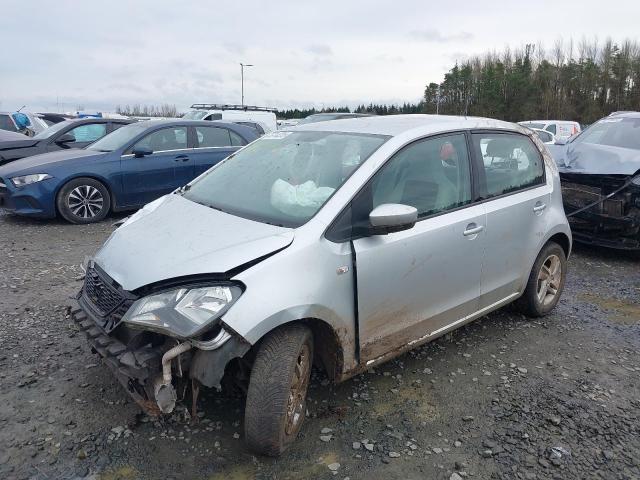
(119, 138)
(614, 132)
(285, 177)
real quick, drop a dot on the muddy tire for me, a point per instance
(546, 282)
(276, 399)
(83, 200)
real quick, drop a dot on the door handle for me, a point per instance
(472, 229)
(539, 207)
(184, 158)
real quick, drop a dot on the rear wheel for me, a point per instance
(83, 200)
(276, 398)
(546, 282)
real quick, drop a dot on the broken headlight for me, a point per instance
(183, 312)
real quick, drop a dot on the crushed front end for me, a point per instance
(603, 210)
(151, 362)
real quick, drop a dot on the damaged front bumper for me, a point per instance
(613, 220)
(149, 365)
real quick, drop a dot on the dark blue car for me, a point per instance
(124, 170)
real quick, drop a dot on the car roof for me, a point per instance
(247, 132)
(626, 114)
(548, 121)
(182, 121)
(394, 125)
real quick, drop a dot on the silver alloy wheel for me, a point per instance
(85, 201)
(549, 279)
(298, 392)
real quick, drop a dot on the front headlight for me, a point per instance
(183, 312)
(29, 179)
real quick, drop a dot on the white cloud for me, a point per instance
(305, 53)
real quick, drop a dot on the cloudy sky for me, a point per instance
(57, 55)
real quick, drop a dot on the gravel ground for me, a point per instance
(502, 398)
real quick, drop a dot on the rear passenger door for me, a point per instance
(516, 196)
(213, 144)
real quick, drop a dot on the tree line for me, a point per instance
(137, 110)
(581, 81)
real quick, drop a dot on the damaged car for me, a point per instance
(338, 245)
(600, 174)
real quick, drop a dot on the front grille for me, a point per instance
(103, 297)
(106, 301)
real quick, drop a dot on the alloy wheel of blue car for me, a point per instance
(83, 200)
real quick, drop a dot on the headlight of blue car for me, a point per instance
(29, 179)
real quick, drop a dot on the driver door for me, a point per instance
(419, 282)
(146, 178)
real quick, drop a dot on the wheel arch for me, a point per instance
(563, 240)
(92, 176)
(328, 346)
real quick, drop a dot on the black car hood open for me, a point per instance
(11, 144)
(589, 158)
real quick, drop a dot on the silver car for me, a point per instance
(340, 244)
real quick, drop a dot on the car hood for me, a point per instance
(17, 143)
(589, 158)
(174, 237)
(37, 162)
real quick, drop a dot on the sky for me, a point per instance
(58, 55)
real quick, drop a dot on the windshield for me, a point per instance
(285, 177)
(614, 132)
(194, 115)
(120, 138)
(53, 129)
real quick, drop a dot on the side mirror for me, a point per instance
(561, 141)
(66, 138)
(140, 152)
(392, 217)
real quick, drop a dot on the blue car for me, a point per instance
(123, 170)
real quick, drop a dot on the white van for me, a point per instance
(261, 119)
(562, 129)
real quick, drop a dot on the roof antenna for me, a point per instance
(21, 108)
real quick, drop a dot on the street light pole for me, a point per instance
(242, 65)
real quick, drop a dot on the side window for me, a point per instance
(544, 136)
(173, 138)
(213, 137)
(551, 128)
(214, 116)
(6, 123)
(115, 126)
(432, 175)
(511, 162)
(236, 140)
(89, 132)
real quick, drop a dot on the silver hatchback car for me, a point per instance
(339, 244)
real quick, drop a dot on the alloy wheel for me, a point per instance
(298, 391)
(549, 280)
(85, 201)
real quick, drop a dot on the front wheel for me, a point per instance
(546, 282)
(276, 398)
(83, 200)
